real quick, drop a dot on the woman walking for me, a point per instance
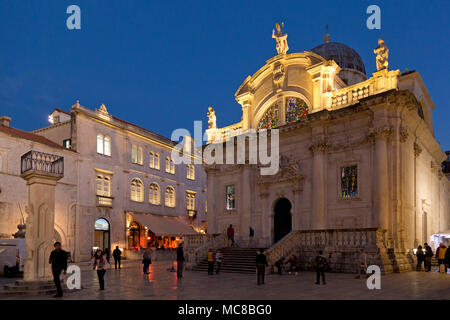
(146, 260)
(100, 264)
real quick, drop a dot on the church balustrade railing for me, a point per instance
(42, 162)
(197, 249)
(314, 240)
(380, 82)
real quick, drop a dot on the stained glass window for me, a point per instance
(230, 197)
(349, 182)
(270, 118)
(296, 108)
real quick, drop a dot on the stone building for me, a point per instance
(126, 190)
(360, 166)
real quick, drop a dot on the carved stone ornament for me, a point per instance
(403, 134)
(279, 73)
(417, 149)
(289, 170)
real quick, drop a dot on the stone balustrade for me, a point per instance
(340, 245)
(381, 81)
(197, 246)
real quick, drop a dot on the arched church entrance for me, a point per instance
(282, 219)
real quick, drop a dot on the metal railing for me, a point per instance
(42, 162)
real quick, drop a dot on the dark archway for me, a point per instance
(282, 219)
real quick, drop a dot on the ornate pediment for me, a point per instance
(289, 170)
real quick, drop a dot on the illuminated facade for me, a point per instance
(359, 164)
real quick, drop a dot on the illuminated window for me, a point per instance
(103, 145)
(67, 143)
(349, 182)
(103, 186)
(154, 193)
(190, 171)
(136, 155)
(190, 200)
(296, 109)
(270, 118)
(170, 165)
(230, 197)
(137, 190)
(170, 197)
(154, 160)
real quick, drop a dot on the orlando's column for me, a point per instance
(41, 171)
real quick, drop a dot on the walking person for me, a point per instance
(321, 263)
(180, 261)
(251, 236)
(420, 258)
(117, 256)
(428, 256)
(261, 264)
(210, 262)
(58, 260)
(440, 256)
(100, 264)
(146, 260)
(218, 259)
(230, 235)
(361, 264)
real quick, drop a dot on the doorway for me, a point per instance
(282, 219)
(101, 235)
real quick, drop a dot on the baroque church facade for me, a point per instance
(360, 166)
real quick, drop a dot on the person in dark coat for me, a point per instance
(321, 263)
(447, 258)
(261, 264)
(420, 254)
(180, 261)
(428, 255)
(280, 266)
(117, 256)
(58, 260)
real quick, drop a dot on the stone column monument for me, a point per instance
(41, 171)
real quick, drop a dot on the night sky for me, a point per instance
(160, 64)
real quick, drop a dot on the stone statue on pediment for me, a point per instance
(382, 53)
(281, 39)
(211, 118)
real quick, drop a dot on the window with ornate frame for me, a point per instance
(103, 185)
(349, 181)
(154, 195)
(170, 197)
(137, 190)
(170, 165)
(190, 200)
(136, 155)
(154, 160)
(230, 197)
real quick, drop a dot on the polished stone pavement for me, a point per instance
(131, 283)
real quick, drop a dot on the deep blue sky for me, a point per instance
(160, 64)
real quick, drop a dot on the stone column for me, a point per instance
(41, 181)
(381, 181)
(318, 185)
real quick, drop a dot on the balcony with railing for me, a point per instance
(42, 163)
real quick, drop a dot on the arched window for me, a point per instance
(103, 186)
(296, 109)
(157, 161)
(154, 160)
(154, 196)
(170, 197)
(103, 145)
(137, 190)
(190, 200)
(270, 118)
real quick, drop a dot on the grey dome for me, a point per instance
(344, 56)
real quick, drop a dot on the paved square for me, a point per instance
(131, 283)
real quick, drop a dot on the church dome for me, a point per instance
(344, 56)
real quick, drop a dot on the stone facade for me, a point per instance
(380, 128)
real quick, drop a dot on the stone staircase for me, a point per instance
(235, 260)
(19, 287)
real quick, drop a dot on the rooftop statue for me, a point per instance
(382, 53)
(281, 38)
(211, 118)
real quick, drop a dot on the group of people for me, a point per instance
(425, 254)
(214, 259)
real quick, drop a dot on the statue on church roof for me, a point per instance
(211, 118)
(382, 53)
(281, 39)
